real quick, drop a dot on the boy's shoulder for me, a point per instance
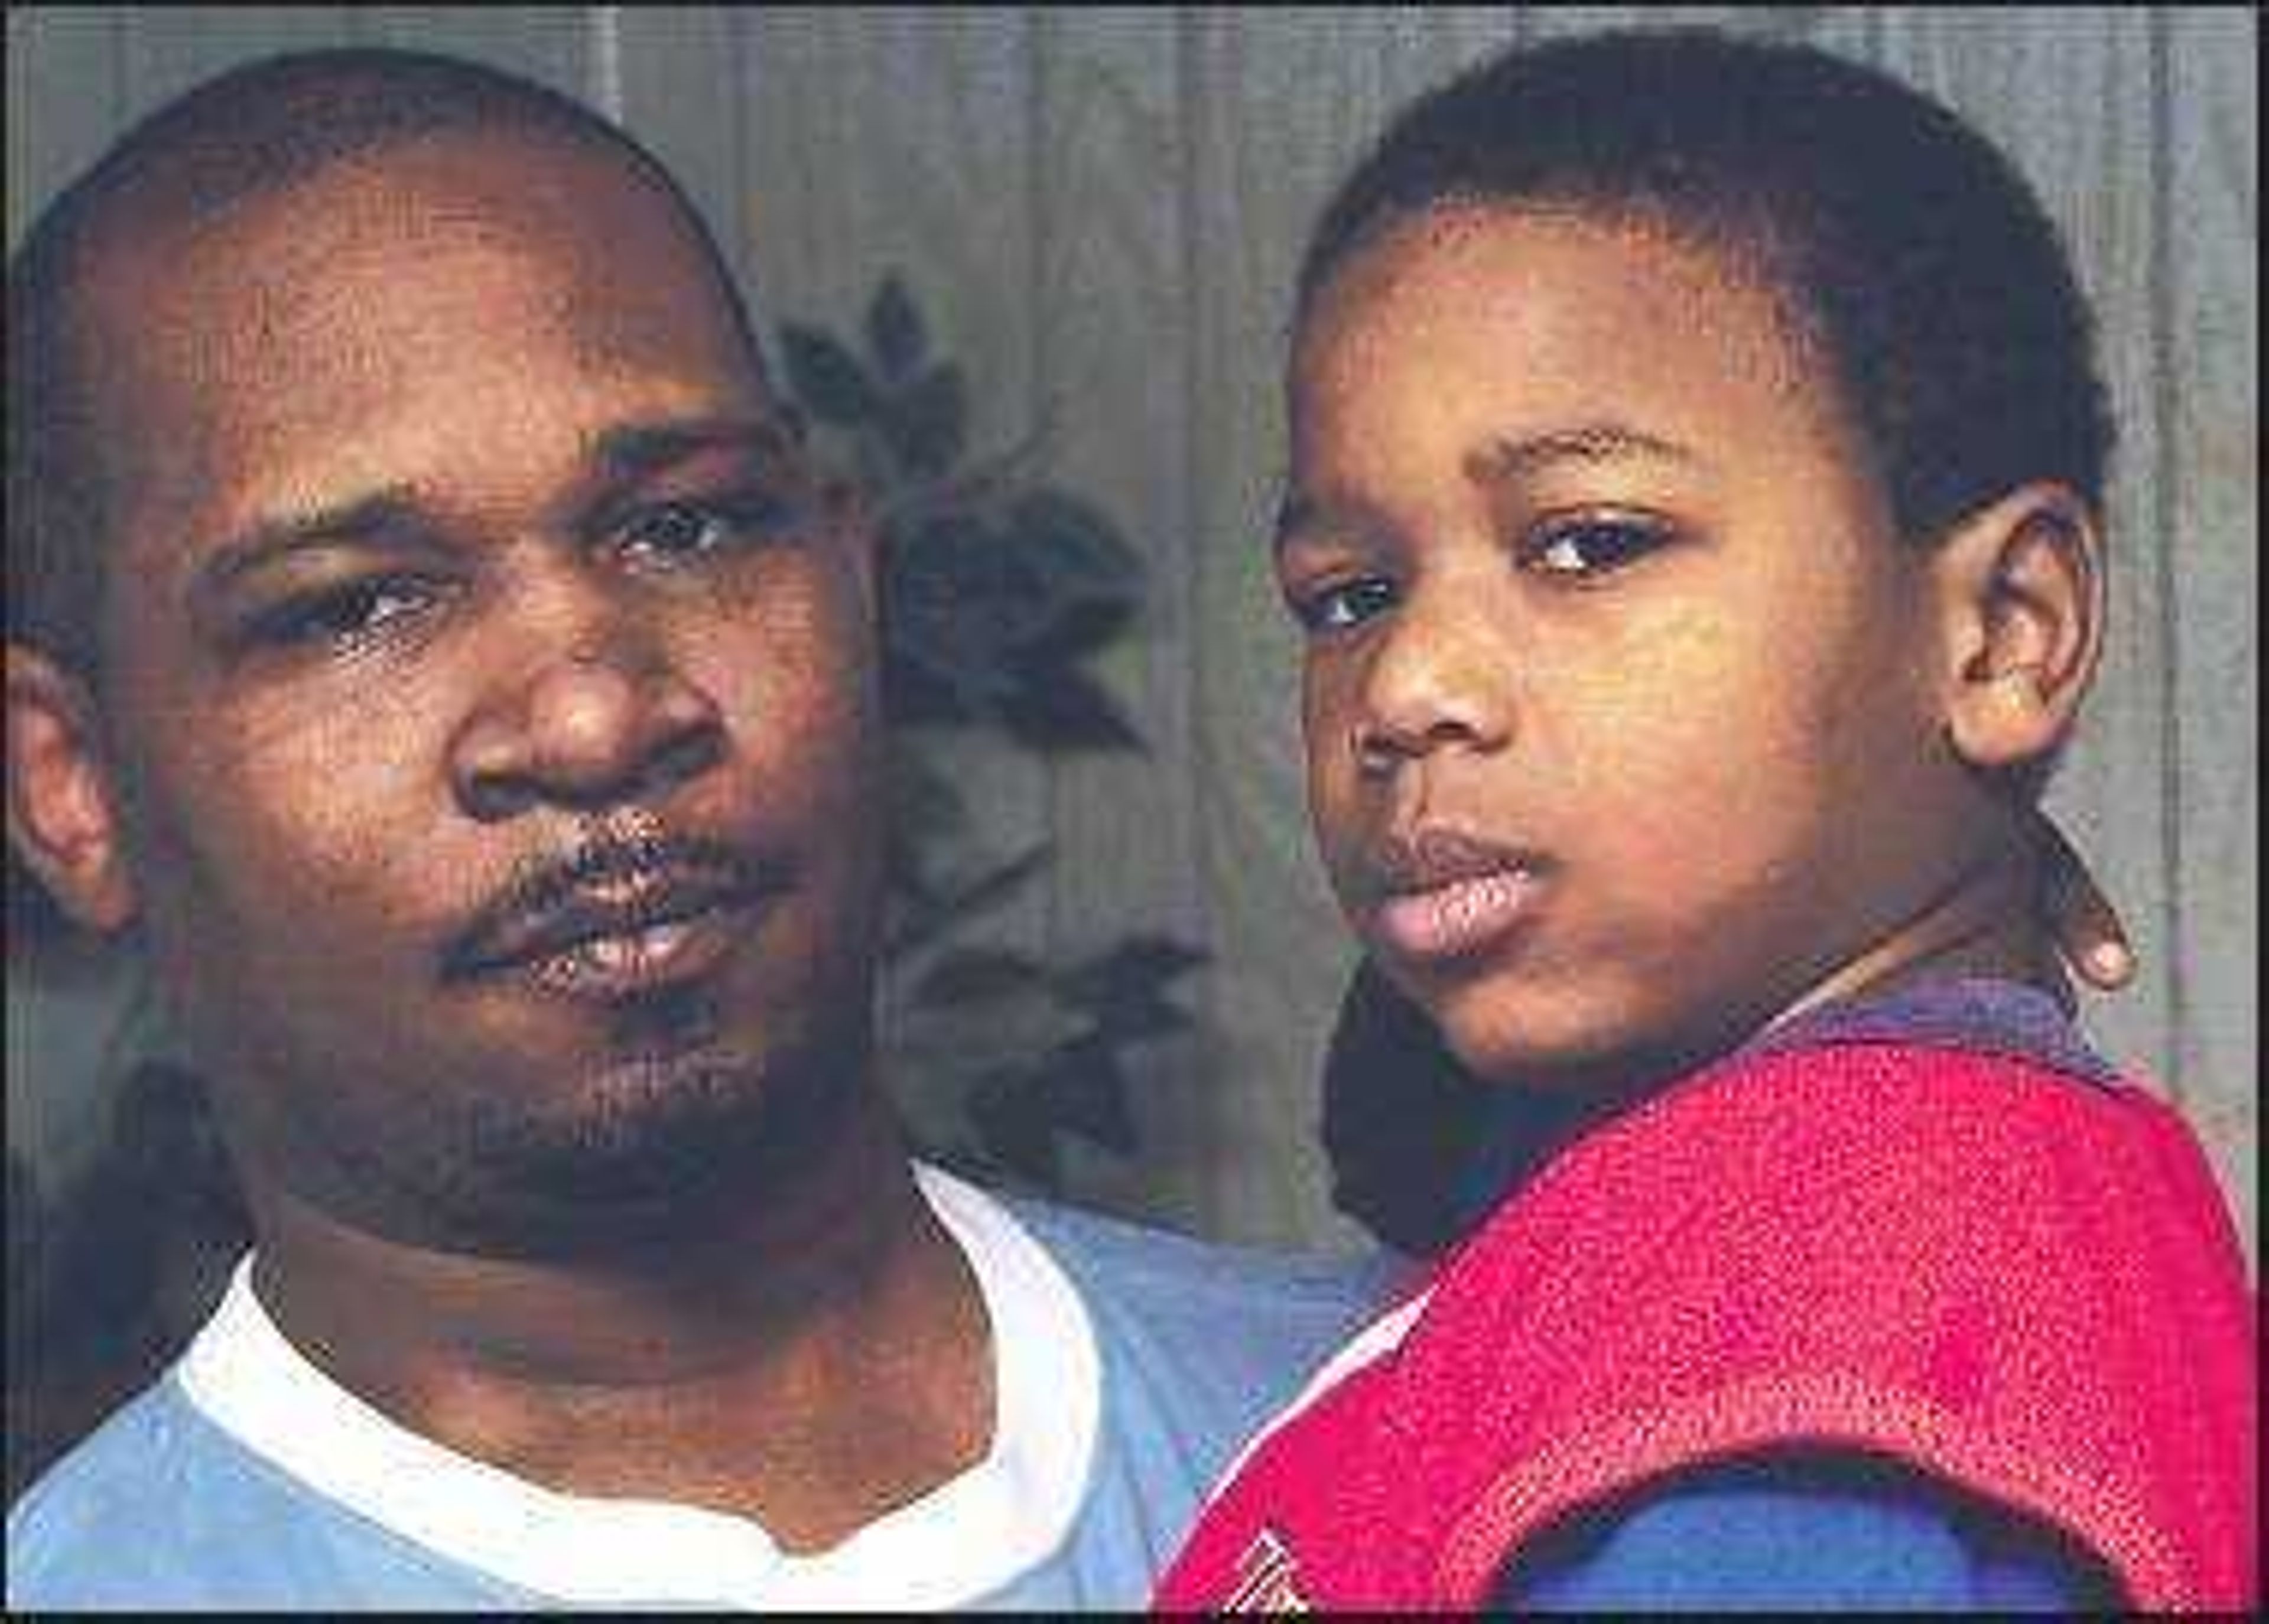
(1946, 1095)
(160, 1508)
(1895, 1178)
(1945, 1246)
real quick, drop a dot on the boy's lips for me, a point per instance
(1444, 894)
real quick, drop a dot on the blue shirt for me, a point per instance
(1129, 1365)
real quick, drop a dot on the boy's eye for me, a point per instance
(344, 615)
(1341, 606)
(1584, 548)
(676, 532)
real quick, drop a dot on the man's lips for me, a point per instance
(1443, 894)
(626, 928)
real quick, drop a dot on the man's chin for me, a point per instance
(649, 1148)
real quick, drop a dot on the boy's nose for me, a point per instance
(607, 718)
(1439, 680)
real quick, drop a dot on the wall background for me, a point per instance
(1101, 211)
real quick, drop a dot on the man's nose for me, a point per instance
(598, 712)
(1439, 678)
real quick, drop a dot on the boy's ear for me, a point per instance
(2021, 599)
(63, 803)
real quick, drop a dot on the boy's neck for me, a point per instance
(1985, 924)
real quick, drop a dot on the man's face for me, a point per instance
(1620, 723)
(492, 687)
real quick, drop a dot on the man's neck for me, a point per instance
(817, 1357)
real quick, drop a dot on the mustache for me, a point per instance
(543, 886)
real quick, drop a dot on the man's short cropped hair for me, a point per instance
(246, 134)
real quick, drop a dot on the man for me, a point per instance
(428, 638)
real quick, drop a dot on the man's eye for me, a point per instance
(342, 615)
(1592, 547)
(1341, 605)
(670, 533)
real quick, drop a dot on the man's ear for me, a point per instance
(63, 803)
(2021, 599)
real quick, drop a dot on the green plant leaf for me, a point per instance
(1067, 710)
(957, 607)
(970, 975)
(1078, 550)
(1075, 630)
(1014, 1126)
(927, 424)
(895, 333)
(1083, 1089)
(1123, 991)
(922, 799)
(827, 379)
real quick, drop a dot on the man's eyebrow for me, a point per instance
(357, 518)
(1295, 512)
(1589, 442)
(627, 451)
(640, 448)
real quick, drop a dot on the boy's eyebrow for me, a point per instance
(1508, 459)
(1590, 442)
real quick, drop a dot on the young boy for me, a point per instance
(1694, 522)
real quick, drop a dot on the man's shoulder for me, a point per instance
(158, 1507)
(1184, 1276)
(1209, 1329)
(107, 1494)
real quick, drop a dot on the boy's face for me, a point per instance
(1619, 724)
(457, 532)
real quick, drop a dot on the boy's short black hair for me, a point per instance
(244, 133)
(1906, 245)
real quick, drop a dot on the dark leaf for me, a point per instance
(959, 609)
(1079, 550)
(825, 377)
(1062, 710)
(995, 885)
(925, 812)
(1077, 629)
(1124, 991)
(915, 696)
(970, 975)
(928, 425)
(895, 333)
(922, 799)
(1012, 1124)
(1084, 1088)
(1154, 959)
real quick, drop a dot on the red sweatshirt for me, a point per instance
(1977, 1265)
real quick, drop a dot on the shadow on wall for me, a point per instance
(109, 1274)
